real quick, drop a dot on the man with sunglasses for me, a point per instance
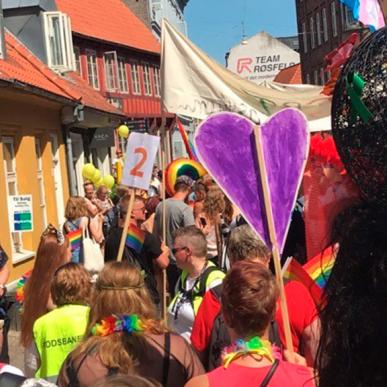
(151, 252)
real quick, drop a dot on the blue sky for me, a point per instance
(216, 25)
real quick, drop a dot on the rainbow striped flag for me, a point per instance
(189, 146)
(75, 238)
(292, 270)
(320, 266)
(135, 238)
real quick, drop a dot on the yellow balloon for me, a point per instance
(99, 183)
(123, 131)
(88, 171)
(96, 176)
(108, 181)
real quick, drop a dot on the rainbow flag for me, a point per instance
(75, 238)
(135, 238)
(292, 270)
(20, 287)
(319, 267)
(189, 147)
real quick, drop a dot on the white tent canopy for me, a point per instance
(194, 85)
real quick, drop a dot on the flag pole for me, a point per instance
(272, 235)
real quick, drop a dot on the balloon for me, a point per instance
(108, 181)
(99, 183)
(359, 117)
(88, 171)
(123, 131)
(96, 176)
(180, 167)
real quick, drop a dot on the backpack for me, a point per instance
(220, 338)
(198, 289)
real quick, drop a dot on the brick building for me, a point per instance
(322, 26)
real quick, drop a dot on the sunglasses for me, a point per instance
(177, 249)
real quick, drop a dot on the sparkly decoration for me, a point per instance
(359, 117)
(181, 167)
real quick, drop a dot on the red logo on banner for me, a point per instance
(244, 64)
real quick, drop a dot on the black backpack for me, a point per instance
(221, 339)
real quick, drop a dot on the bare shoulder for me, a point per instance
(198, 381)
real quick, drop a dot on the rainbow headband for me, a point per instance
(121, 323)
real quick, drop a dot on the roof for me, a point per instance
(290, 75)
(22, 66)
(110, 21)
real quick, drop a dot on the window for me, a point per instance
(42, 195)
(325, 24)
(58, 41)
(347, 19)
(135, 78)
(334, 20)
(110, 60)
(305, 38)
(315, 77)
(156, 80)
(147, 80)
(92, 68)
(122, 78)
(318, 28)
(77, 56)
(312, 37)
(308, 79)
(322, 76)
(11, 183)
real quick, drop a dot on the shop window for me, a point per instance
(92, 68)
(135, 78)
(156, 81)
(147, 80)
(77, 56)
(325, 24)
(122, 77)
(111, 71)
(58, 41)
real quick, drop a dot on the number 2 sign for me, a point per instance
(140, 156)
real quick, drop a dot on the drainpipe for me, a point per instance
(69, 159)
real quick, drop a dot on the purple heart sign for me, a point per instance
(226, 147)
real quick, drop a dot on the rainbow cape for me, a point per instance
(135, 238)
(292, 270)
(319, 267)
(75, 238)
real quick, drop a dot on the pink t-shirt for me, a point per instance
(286, 374)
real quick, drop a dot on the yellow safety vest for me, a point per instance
(56, 334)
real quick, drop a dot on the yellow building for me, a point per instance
(33, 100)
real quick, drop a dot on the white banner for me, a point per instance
(196, 86)
(140, 157)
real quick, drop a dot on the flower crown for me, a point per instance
(121, 323)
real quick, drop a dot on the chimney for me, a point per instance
(2, 35)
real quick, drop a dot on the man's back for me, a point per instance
(178, 214)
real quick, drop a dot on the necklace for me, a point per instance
(240, 348)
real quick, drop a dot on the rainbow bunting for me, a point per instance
(135, 238)
(293, 270)
(75, 238)
(320, 266)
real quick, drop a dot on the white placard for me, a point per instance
(20, 213)
(140, 157)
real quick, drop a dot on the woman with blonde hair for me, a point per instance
(77, 222)
(125, 336)
(53, 252)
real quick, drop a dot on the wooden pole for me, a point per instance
(126, 225)
(273, 238)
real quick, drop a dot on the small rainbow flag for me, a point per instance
(292, 270)
(75, 238)
(135, 238)
(189, 146)
(20, 287)
(320, 266)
